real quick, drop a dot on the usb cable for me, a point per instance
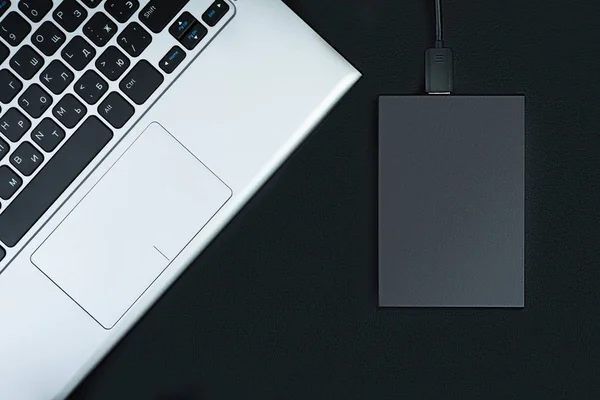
(439, 69)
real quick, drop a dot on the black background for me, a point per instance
(283, 304)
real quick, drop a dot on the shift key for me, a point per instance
(158, 13)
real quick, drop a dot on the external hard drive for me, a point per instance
(451, 201)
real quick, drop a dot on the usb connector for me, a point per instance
(439, 71)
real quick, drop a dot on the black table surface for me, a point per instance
(283, 304)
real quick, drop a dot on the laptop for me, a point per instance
(131, 132)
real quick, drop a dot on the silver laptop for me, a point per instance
(131, 132)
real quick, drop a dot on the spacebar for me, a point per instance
(52, 180)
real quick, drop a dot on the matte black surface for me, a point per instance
(283, 304)
(451, 201)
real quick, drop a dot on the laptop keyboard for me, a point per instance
(66, 91)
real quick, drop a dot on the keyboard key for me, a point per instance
(172, 59)
(78, 53)
(56, 77)
(69, 111)
(193, 36)
(4, 148)
(52, 180)
(26, 159)
(4, 5)
(182, 24)
(35, 100)
(48, 38)
(116, 110)
(112, 63)
(47, 135)
(141, 82)
(91, 3)
(158, 13)
(10, 182)
(2, 253)
(91, 87)
(14, 124)
(215, 12)
(69, 14)
(26, 62)
(35, 10)
(121, 10)
(134, 39)
(4, 52)
(14, 28)
(99, 29)
(10, 86)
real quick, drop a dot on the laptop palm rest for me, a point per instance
(131, 225)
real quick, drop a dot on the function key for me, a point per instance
(56, 77)
(26, 62)
(158, 13)
(26, 159)
(4, 5)
(35, 10)
(172, 59)
(182, 24)
(69, 111)
(14, 28)
(134, 39)
(100, 29)
(91, 87)
(48, 135)
(215, 12)
(10, 182)
(14, 124)
(4, 53)
(121, 10)
(116, 110)
(69, 14)
(4, 148)
(112, 63)
(193, 36)
(141, 82)
(10, 86)
(48, 38)
(91, 3)
(35, 101)
(78, 53)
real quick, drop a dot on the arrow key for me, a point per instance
(91, 87)
(172, 59)
(182, 24)
(193, 36)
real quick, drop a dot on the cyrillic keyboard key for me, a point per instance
(78, 53)
(158, 13)
(26, 158)
(10, 182)
(48, 135)
(14, 28)
(56, 77)
(134, 39)
(35, 100)
(13, 125)
(69, 14)
(35, 10)
(10, 86)
(48, 38)
(26, 62)
(141, 82)
(52, 180)
(69, 111)
(121, 10)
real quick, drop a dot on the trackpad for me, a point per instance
(129, 227)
